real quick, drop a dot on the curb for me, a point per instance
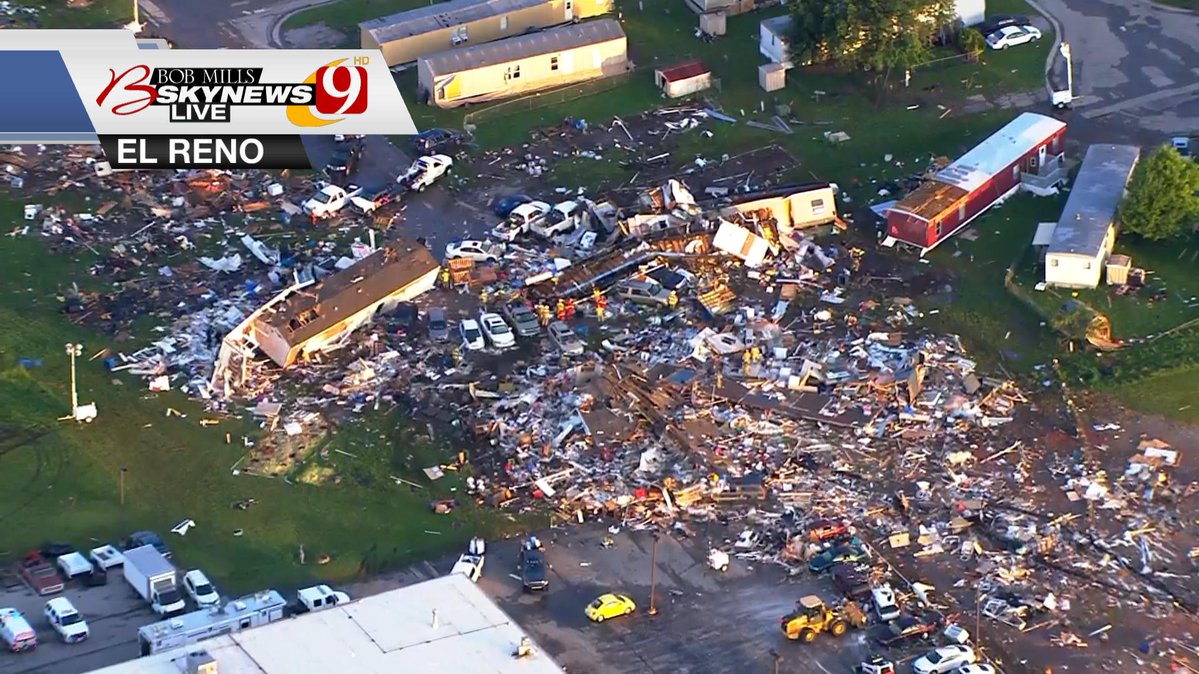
(275, 38)
(1053, 50)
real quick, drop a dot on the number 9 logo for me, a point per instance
(341, 90)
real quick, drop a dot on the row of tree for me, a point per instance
(1163, 196)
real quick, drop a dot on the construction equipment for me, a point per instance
(811, 617)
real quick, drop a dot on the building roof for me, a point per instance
(684, 71)
(779, 25)
(1094, 197)
(387, 633)
(515, 48)
(439, 15)
(309, 312)
(973, 169)
(930, 199)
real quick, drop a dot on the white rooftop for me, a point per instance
(384, 634)
(972, 170)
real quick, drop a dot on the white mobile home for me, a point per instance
(524, 64)
(774, 39)
(1086, 232)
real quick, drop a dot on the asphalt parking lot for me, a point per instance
(113, 614)
(706, 621)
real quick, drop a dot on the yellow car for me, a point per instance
(609, 606)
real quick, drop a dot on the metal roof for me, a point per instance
(1002, 149)
(148, 560)
(549, 41)
(779, 25)
(384, 634)
(440, 15)
(1094, 198)
(684, 71)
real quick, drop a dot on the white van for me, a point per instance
(15, 631)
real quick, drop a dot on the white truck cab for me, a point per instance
(65, 620)
(563, 218)
(330, 199)
(425, 171)
(519, 220)
(320, 597)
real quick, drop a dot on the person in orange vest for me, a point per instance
(543, 314)
(561, 310)
(570, 308)
(673, 300)
(596, 294)
(601, 307)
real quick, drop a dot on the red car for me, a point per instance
(827, 530)
(41, 574)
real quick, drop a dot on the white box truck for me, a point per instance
(153, 578)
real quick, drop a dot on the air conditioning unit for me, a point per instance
(201, 663)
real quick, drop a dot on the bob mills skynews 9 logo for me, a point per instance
(325, 97)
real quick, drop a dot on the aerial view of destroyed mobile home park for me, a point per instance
(686, 337)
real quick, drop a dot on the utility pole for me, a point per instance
(74, 350)
(123, 469)
(653, 577)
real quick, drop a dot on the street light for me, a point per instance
(653, 577)
(74, 350)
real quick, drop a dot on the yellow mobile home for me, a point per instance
(524, 64)
(407, 36)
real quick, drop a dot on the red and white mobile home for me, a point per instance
(1027, 152)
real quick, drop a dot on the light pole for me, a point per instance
(74, 350)
(122, 488)
(136, 25)
(1064, 48)
(653, 577)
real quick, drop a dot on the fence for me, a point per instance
(544, 99)
(943, 62)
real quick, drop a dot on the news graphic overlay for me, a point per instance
(199, 108)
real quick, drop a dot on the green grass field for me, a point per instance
(61, 480)
(96, 14)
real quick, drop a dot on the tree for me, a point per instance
(876, 35)
(1161, 201)
(972, 43)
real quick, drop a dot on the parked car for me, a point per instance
(520, 220)
(533, 574)
(849, 582)
(1012, 36)
(139, 538)
(406, 317)
(643, 292)
(479, 251)
(40, 574)
(425, 171)
(503, 206)
(978, 669)
(106, 556)
(565, 339)
(523, 318)
(1002, 21)
(944, 660)
(347, 137)
(65, 620)
(319, 597)
(609, 606)
(345, 159)
(201, 590)
(884, 602)
(497, 331)
(842, 553)
(436, 140)
(472, 336)
(52, 551)
(671, 279)
(902, 631)
(439, 329)
(74, 564)
(1182, 145)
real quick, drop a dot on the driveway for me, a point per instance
(1136, 68)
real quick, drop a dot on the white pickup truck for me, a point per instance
(330, 199)
(518, 221)
(563, 218)
(425, 171)
(470, 563)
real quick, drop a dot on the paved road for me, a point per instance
(1136, 65)
(219, 23)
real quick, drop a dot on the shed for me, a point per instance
(1118, 267)
(406, 36)
(524, 64)
(1027, 150)
(683, 79)
(772, 76)
(1086, 232)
